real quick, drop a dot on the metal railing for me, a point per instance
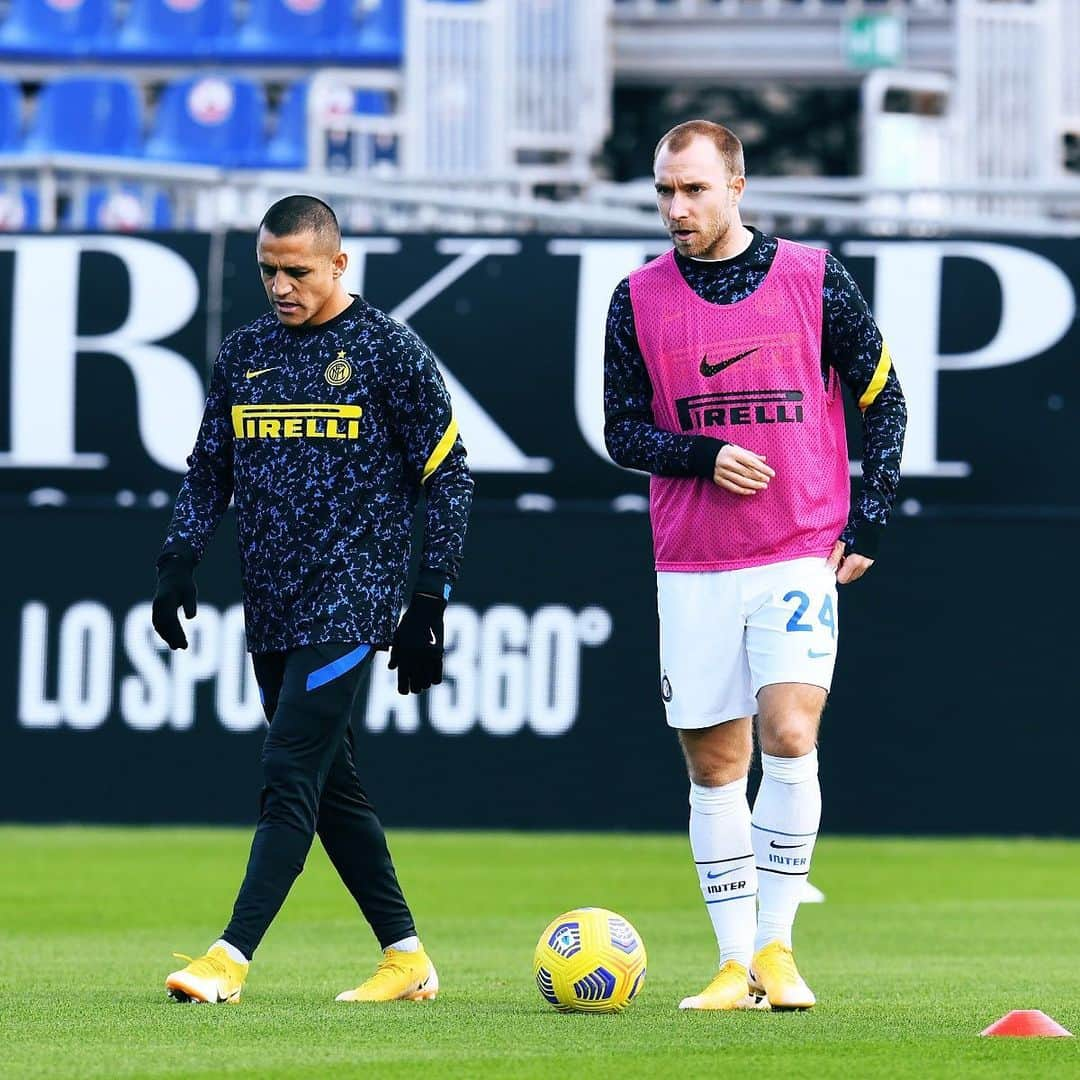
(731, 42)
(810, 9)
(877, 207)
(214, 199)
(341, 139)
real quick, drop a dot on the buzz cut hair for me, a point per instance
(724, 139)
(300, 214)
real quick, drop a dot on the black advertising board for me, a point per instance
(951, 674)
(110, 338)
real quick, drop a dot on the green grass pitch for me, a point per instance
(919, 946)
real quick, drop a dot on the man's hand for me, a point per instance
(848, 568)
(741, 471)
(175, 588)
(417, 650)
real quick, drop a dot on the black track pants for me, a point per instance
(310, 785)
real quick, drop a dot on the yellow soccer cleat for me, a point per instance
(730, 989)
(773, 973)
(213, 979)
(400, 976)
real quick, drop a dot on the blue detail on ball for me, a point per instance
(637, 985)
(598, 985)
(565, 939)
(622, 935)
(546, 986)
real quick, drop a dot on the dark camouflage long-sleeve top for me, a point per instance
(324, 438)
(851, 345)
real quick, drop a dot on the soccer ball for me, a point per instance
(589, 960)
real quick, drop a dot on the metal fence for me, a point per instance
(663, 9)
(216, 199)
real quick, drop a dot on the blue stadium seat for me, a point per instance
(19, 208)
(288, 148)
(173, 29)
(55, 28)
(87, 115)
(10, 118)
(380, 37)
(124, 208)
(210, 120)
(290, 30)
(382, 149)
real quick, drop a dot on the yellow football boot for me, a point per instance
(400, 976)
(213, 979)
(773, 973)
(730, 989)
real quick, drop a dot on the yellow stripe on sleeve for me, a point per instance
(881, 374)
(438, 455)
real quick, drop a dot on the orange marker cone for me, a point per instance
(1026, 1023)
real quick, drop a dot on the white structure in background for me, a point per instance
(497, 91)
(1009, 105)
(1070, 75)
(710, 42)
(1002, 117)
(906, 139)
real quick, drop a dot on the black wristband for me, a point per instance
(703, 453)
(433, 582)
(177, 551)
(423, 603)
(867, 540)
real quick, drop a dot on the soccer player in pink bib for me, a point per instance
(723, 366)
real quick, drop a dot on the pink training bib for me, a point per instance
(749, 373)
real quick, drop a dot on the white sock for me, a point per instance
(720, 841)
(406, 944)
(787, 813)
(231, 951)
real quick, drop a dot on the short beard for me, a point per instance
(723, 228)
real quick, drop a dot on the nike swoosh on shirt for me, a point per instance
(816, 655)
(708, 369)
(260, 371)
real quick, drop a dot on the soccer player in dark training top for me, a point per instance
(324, 421)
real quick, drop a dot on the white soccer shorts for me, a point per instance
(726, 634)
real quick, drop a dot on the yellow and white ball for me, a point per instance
(589, 960)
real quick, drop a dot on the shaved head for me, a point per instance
(297, 214)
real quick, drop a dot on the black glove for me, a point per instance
(417, 650)
(175, 587)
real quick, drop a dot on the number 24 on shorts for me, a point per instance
(826, 616)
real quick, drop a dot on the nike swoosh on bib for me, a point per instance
(708, 369)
